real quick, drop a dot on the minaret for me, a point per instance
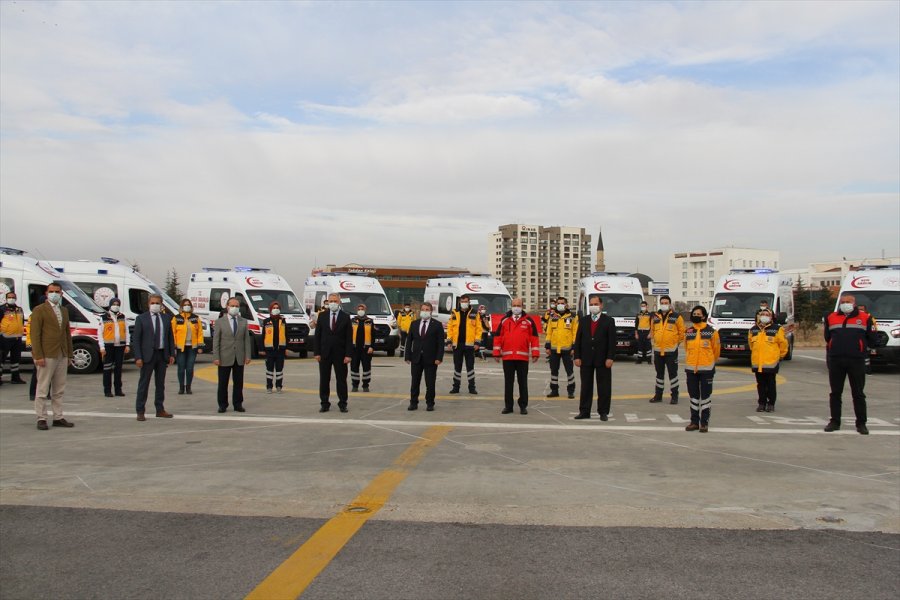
(601, 264)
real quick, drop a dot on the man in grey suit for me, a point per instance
(154, 351)
(231, 352)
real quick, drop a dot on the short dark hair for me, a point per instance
(428, 304)
(661, 298)
(563, 298)
(702, 310)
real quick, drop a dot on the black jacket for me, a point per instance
(333, 344)
(428, 349)
(595, 349)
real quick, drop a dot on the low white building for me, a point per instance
(830, 274)
(693, 275)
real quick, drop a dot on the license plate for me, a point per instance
(295, 340)
(379, 340)
(734, 347)
(620, 344)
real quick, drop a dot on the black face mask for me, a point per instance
(696, 319)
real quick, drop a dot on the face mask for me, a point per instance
(464, 305)
(560, 307)
(425, 314)
(54, 297)
(405, 309)
(846, 307)
(517, 310)
(664, 307)
(765, 319)
(11, 301)
(186, 308)
(595, 310)
(114, 308)
(155, 308)
(333, 306)
(360, 313)
(763, 307)
(276, 312)
(643, 309)
(234, 311)
(696, 319)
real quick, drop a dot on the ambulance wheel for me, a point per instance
(391, 352)
(790, 352)
(303, 354)
(85, 358)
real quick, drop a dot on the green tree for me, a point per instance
(823, 303)
(803, 309)
(173, 284)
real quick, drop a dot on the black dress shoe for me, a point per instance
(760, 408)
(506, 411)
(832, 426)
(64, 423)
(108, 394)
(604, 418)
(473, 391)
(571, 395)
(862, 429)
(120, 393)
(454, 391)
(412, 407)
(581, 416)
(42, 425)
(187, 390)
(770, 407)
(673, 401)
(654, 400)
(430, 408)
(324, 409)
(240, 409)
(523, 411)
(553, 395)
(343, 409)
(221, 410)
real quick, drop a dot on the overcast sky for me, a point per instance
(291, 134)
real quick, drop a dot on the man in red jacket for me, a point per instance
(515, 341)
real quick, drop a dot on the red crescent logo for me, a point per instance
(253, 282)
(731, 284)
(347, 285)
(860, 282)
(601, 286)
(473, 287)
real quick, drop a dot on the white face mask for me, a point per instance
(425, 314)
(234, 311)
(11, 301)
(765, 319)
(406, 309)
(517, 310)
(664, 307)
(155, 308)
(643, 309)
(54, 297)
(360, 313)
(846, 307)
(186, 308)
(560, 307)
(114, 308)
(334, 306)
(595, 310)
(464, 305)
(276, 312)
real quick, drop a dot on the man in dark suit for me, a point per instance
(595, 347)
(424, 352)
(231, 352)
(333, 349)
(154, 350)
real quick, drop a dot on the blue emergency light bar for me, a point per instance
(252, 269)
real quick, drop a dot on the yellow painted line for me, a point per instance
(295, 574)
(211, 374)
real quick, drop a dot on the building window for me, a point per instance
(684, 285)
(711, 283)
(684, 274)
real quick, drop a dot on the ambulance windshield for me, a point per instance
(733, 305)
(376, 303)
(261, 299)
(494, 304)
(881, 304)
(620, 305)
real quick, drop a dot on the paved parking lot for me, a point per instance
(205, 492)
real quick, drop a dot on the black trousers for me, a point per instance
(112, 368)
(566, 359)
(663, 363)
(361, 358)
(512, 370)
(765, 387)
(643, 343)
(604, 389)
(154, 366)
(464, 354)
(416, 370)
(11, 356)
(326, 365)
(700, 386)
(853, 369)
(274, 367)
(235, 372)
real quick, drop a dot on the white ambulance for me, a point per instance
(736, 301)
(28, 278)
(255, 288)
(355, 290)
(107, 278)
(443, 293)
(878, 288)
(622, 296)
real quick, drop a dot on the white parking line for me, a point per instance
(515, 422)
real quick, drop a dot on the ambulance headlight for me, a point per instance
(895, 333)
